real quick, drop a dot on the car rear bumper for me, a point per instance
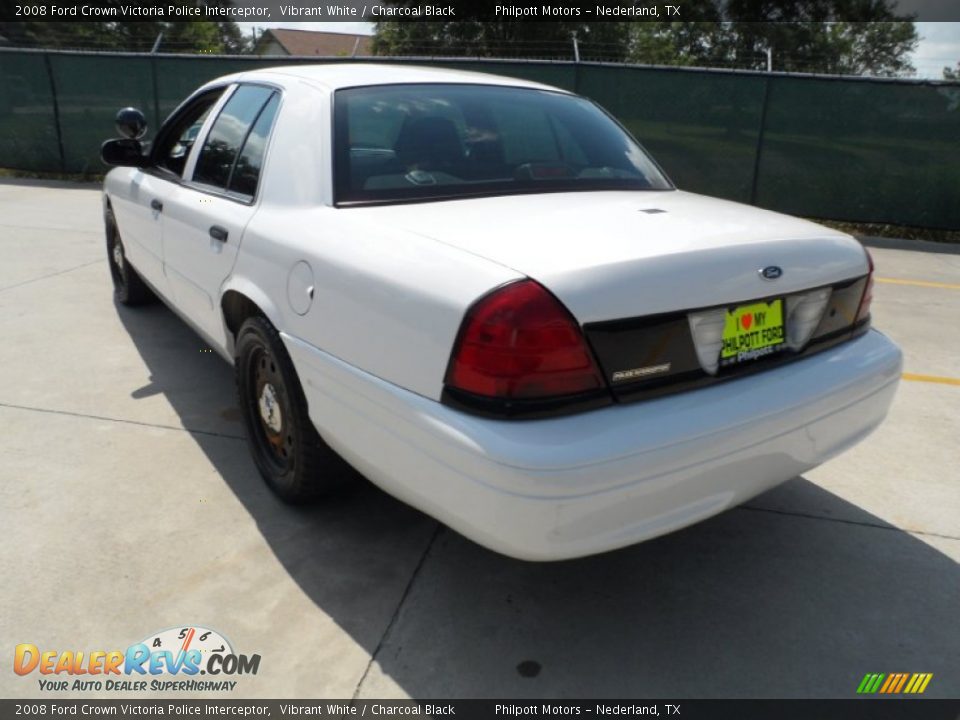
(571, 486)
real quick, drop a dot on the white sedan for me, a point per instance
(483, 294)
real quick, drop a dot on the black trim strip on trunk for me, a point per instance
(666, 338)
(512, 409)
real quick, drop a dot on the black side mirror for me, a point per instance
(131, 123)
(125, 153)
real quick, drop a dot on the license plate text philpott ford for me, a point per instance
(752, 331)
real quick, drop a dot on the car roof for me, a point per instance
(334, 76)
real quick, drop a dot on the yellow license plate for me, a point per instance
(752, 331)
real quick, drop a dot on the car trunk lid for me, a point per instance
(653, 276)
(613, 255)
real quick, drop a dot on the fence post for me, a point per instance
(56, 111)
(156, 94)
(760, 136)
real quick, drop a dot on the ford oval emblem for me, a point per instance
(771, 272)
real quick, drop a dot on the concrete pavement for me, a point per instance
(130, 505)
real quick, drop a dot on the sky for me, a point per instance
(939, 41)
(939, 47)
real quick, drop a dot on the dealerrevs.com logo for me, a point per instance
(169, 660)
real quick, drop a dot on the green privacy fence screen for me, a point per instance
(856, 149)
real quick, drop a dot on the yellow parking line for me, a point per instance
(931, 379)
(918, 283)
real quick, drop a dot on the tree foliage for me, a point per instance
(802, 35)
(953, 74)
(200, 36)
(500, 39)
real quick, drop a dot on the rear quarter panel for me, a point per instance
(386, 301)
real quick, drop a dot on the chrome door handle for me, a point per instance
(218, 233)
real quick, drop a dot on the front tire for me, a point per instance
(128, 287)
(289, 453)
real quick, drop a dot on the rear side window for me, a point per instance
(225, 144)
(247, 171)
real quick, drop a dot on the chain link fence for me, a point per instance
(854, 149)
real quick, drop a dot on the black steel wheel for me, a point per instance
(128, 287)
(289, 453)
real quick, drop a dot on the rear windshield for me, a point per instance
(415, 142)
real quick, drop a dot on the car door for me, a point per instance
(204, 217)
(135, 205)
(138, 208)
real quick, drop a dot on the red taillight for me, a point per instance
(520, 342)
(864, 312)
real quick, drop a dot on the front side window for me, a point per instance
(219, 156)
(413, 142)
(178, 134)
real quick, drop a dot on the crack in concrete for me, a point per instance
(878, 526)
(122, 421)
(55, 274)
(55, 228)
(396, 613)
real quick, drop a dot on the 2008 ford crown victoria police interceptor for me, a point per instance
(482, 294)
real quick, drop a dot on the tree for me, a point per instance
(552, 40)
(949, 74)
(838, 48)
(803, 36)
(199, 36)
(704, 44)
(855, 37)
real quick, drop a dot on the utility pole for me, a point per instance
(156, 43)
(769, 59)
(576, 48)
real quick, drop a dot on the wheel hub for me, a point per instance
(118, 255)
(269, 406)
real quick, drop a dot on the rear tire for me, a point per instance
(289, 453)
(128, 287)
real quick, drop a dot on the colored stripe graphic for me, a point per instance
(894, 683)
(918, 683)
(875, 683)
